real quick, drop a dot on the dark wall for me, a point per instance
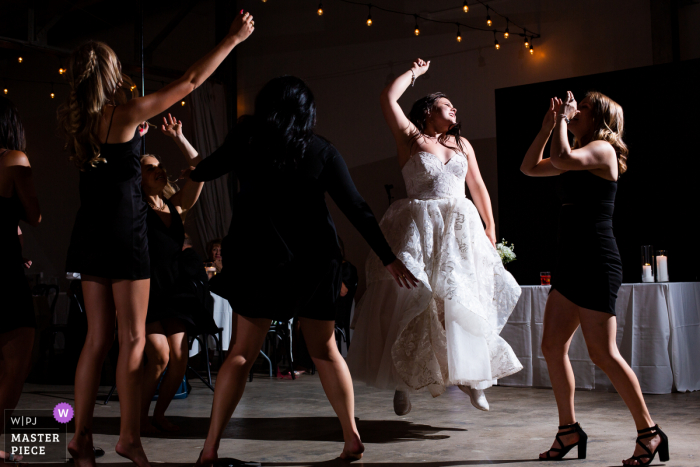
(657, 200)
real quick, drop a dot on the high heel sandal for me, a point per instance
(662, 448)
(564, 450)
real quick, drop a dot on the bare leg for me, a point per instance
(176, 333)
(100, 311)
(157, 355)
(244, 349)
(131, 300)
(15, 363)
(560, 322)
(600, 330)
(336, 380)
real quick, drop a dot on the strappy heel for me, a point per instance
(564, 450)
(662, 448)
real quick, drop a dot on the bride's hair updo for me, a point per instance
(608, 123)
(419, 115)
(283, 122)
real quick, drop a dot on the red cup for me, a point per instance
(545, 278)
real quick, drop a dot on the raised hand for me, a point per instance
(550, 118)
(242, 27)
(568, 106)
(185, 173)
(171, 127)
(420, 67)
(401, 274)
(143, 128)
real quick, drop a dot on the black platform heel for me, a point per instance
(564, 450)
(662, 448)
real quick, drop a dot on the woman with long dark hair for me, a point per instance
(109, 247)
(18, 201)
(585, 285)
(281, 256)
(446, 331)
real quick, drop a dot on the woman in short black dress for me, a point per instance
(17, 202)
(109, 246)
(281, 256)
(589, 271)
(176, 303)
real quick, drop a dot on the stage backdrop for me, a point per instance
(657, 198)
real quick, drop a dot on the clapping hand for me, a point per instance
(172, 127)
(567, 106)
(242, 27)
(401, 274)
(185, 173)
(420, 67)
(550, 118)
(143, 128)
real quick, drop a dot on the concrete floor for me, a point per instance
(291, 423)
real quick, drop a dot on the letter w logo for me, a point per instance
(63, 413)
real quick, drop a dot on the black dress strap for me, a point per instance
(109, 128)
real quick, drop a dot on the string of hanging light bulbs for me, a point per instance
(526, 34)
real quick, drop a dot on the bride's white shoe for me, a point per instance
(402, 402)
(477, 397)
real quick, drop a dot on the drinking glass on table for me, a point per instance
(210, 269)
(545, 278)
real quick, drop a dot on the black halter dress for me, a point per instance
(17, 306)
(589, 269)
(109, 236)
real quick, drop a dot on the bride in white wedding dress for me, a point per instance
(446, 331)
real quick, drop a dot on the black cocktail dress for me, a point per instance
(109, 236)
(589, 269)
(281, 257)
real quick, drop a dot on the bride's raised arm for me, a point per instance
(401, 126)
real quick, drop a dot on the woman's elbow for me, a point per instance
(526, 170)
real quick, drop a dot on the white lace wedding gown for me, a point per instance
(446, 331)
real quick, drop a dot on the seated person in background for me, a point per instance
(214, 252)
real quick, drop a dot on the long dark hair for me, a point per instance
(11, 129)
(284, 121)
(419, 114)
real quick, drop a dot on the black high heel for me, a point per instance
(662, 448)
(564, 450)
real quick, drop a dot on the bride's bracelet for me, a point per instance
(413, 79)
(565, 118)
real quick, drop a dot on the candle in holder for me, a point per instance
(661, 266)
(647, 262)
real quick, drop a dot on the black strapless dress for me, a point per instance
(179, 283)
(589, 269)
(109, 236)
(17, 306)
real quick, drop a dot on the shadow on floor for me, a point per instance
(291, 429)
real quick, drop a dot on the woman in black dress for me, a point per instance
(281, 256)
(109, 247)
(589, 271)
(174, 308)
(18, 201)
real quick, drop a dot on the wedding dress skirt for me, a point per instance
(446, 331)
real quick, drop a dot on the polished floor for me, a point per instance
(291, 423)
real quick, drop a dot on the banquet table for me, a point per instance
(223, 314)
(658, 333)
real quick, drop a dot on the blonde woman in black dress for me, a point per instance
(585, 284)
(18, 201)
(103, 134)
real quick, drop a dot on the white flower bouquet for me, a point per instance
(505, 251)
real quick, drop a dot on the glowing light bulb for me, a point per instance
(320, 9)
(465, 7)
(417, 32)
(488, 20)
(532, 50)
(527, 43)
(53, 95)
(506, 34)
(369, 21)
(459, 38)
(497, 45)
(182, 103)
(5, 90)
(61, 71)
(19, 59)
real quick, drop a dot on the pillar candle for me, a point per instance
(662, 268)
(647, 275)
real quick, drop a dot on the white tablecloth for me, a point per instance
(658, 333)
(223, 314)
